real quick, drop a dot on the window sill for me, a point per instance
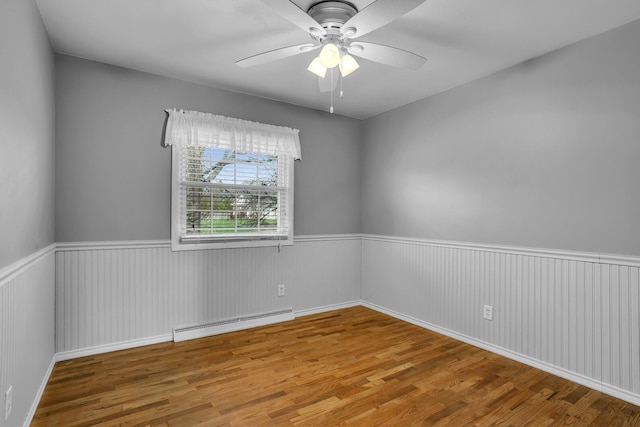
(194, 243)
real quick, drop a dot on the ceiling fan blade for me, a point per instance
(387, 55)
(274, 55)
(292, 13)
(329, 84)
(378, 14)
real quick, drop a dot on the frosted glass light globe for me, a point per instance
(329, 55)
(348, 65)
(317, 68)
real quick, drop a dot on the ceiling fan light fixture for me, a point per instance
(329, 55)
(348, 65)
(317, 68)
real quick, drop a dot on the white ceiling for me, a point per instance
(200, 40)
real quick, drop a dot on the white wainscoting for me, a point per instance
(120, 294)
(575, 314)
(26, 332)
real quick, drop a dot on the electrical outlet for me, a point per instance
(280, 290)
(7, 402)
(488, 312)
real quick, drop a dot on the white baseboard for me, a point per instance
(36, 400)
(325, 308)
(107, 348)
(552, 369)
(124, 345)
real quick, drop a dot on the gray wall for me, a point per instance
(26, 132)
(27, 301)
(113, 176)
(544, 154)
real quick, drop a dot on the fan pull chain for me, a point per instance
(341, 80)
(331, 109)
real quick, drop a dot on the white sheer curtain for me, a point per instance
(193, 128)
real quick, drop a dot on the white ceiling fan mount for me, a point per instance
(331, 15)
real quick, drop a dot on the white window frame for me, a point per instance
(209, 130)
(243, 240)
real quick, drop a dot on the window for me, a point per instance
(232, 181)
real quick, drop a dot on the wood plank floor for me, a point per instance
(347, 367)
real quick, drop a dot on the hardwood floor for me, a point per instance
(352, 366)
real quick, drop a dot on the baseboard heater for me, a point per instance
(233, 324)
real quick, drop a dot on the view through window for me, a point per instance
(229, 192)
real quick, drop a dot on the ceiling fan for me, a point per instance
(336, 26)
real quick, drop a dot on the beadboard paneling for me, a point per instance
(110, 293)
(26, 332)
(574, 312)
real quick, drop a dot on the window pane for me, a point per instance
(268, 174)
(211, 208)
(247, 174)
(268, 221)
(195, 152)
(247, 219)
(223, 199)
(218, 154)
(198, 198)
(246, 157)
(269, 202)
(195, 165)
(223, 222)
(198, 222)
(222, 173)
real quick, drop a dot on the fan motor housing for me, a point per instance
(332, 14)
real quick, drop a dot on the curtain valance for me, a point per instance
(186, 128)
